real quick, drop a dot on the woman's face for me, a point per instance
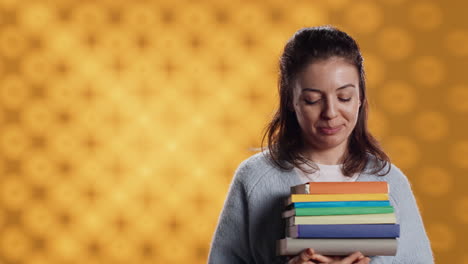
(326, 102)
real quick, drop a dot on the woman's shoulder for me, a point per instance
(256, 164)
(258, 168)
(258, 159)
(395, 177)
(388, 171)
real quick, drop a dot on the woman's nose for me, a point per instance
(329, 110)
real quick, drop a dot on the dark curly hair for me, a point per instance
(284, 133)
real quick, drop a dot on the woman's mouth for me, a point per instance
(329, 130)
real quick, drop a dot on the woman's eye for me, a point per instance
(345, 99)
(310, 102)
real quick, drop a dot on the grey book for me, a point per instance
(339, 246)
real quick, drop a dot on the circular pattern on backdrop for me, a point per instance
(14, 192)
(442, 236)
(453, 40)
(250, 11)
(425, 15)
(430, 126)
(393, 2)
(14, 244)
(195, 15)
(39, 218)
(306, 15)
(64, 247)
(378, 123)
(2, 68)
(457, 98)
(397, 97)
(337, 4)
(395, 43)
(12, 42)
(140, 16)
(35, 17)
(13, 141)
(37, 117)
(461, 209)
(459, 154)
(403, 151)
(428, 70)
(363, 11)
(13, 92)
(434, 181)
(39, 169)
(2, 219)
(36, 67)
(89, 15)
(375, 70)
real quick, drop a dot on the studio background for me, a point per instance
(122, 122)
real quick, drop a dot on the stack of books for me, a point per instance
(339, 218)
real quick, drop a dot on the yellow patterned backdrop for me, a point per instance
(122, 122)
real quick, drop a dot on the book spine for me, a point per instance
(342, 219)
(347, 187)
(343, 210)
(300, 189)
(341, 204)
(294, 198)
(344, 231)
(339, 246)
(340, 188)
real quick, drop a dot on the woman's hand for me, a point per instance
(308, 256)
(355, 258)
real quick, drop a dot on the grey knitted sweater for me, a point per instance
(250, 222)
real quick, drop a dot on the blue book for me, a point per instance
(344, 231)
(341, 204)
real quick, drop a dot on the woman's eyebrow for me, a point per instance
(346, 86)
(318, 91)
(311, 90)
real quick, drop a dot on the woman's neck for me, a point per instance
(331, 156)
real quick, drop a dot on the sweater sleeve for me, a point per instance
(230, 243)
(413, 244)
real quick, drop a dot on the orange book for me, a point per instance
(340, 187)
(298, 198)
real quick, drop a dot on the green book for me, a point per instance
(338, 211)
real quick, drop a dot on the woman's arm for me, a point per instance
(413, 244)
(230, 242)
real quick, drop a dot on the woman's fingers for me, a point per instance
(364, 260)
(306, 254)
(356, 256)
(303, 257)
(321, 258)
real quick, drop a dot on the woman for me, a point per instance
(319, 133)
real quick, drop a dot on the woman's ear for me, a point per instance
(362, 102)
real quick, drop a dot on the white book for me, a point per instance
(338, 247)
(388, 218)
